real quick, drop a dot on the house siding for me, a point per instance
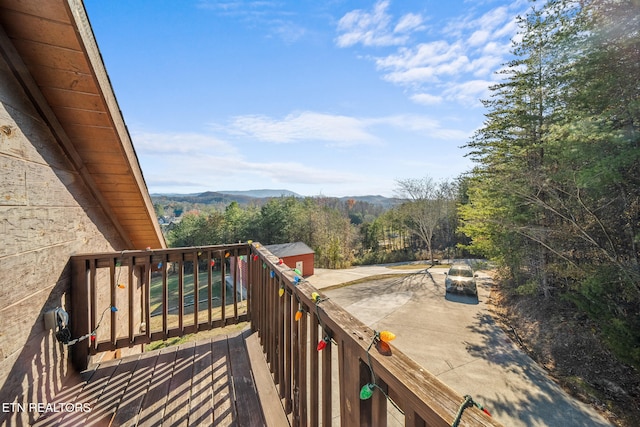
(46, 214)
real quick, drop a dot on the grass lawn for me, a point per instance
(173, 303)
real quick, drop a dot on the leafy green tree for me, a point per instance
(555, 193)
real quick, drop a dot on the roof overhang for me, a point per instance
(52, 50)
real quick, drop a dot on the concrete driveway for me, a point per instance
(456, 339)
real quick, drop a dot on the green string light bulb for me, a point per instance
(366, 391)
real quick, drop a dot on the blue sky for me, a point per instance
(334, 98)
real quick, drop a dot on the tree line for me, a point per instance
(341, 232)
(555, 193)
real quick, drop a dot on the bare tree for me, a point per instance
(427, 205)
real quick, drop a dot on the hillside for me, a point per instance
(221, 199)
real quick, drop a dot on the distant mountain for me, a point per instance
(206, 198)
(261, 194)
(255, 197)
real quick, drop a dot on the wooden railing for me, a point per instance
(290, 316)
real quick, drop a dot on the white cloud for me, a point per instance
(288, 31)
(273, 17)
(176, 144)
(374, 28)
(412, 76)
(409, 22)
(469, 92)
(424, 54)
(424, 125)
(426, 99)
(303, 126)
(479, 37)
(454, 66)
(192, 162)
(196, 162)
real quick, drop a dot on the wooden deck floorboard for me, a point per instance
(203, 383)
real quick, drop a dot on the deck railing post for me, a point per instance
(80, 312)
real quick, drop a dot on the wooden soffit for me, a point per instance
(52, 49)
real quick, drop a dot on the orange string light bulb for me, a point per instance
(298, 315)
(386, 336)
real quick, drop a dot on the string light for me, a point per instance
(295, 270)
(280, 261)
(385, 336)
(323, 343)
(281, 291)
(272, 274)
(468, 401)
(298, 314)
(256, 257)
(367, 391)
(380, 339)
(92, 334)
(213, 263)
(120, 285)
(326, 340)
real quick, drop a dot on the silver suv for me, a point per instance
(460, 278)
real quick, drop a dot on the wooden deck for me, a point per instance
(207, 382)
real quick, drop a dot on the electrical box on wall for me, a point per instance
(50, 320)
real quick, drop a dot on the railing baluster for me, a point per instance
(146, 305)
(288, 369)
(196, 293)
(81, 319)
(223, 288)
(112, 288)
(93, 313)
(379, 405)
(131, 267)
(295, 357)
(209, 290)
(236, 269)
(165, 294)
(327, 388)
(302, 376)
(181, 294)
(270, 318)
(314, 386)
(280, 344)
(412, 419)
(363, 407)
